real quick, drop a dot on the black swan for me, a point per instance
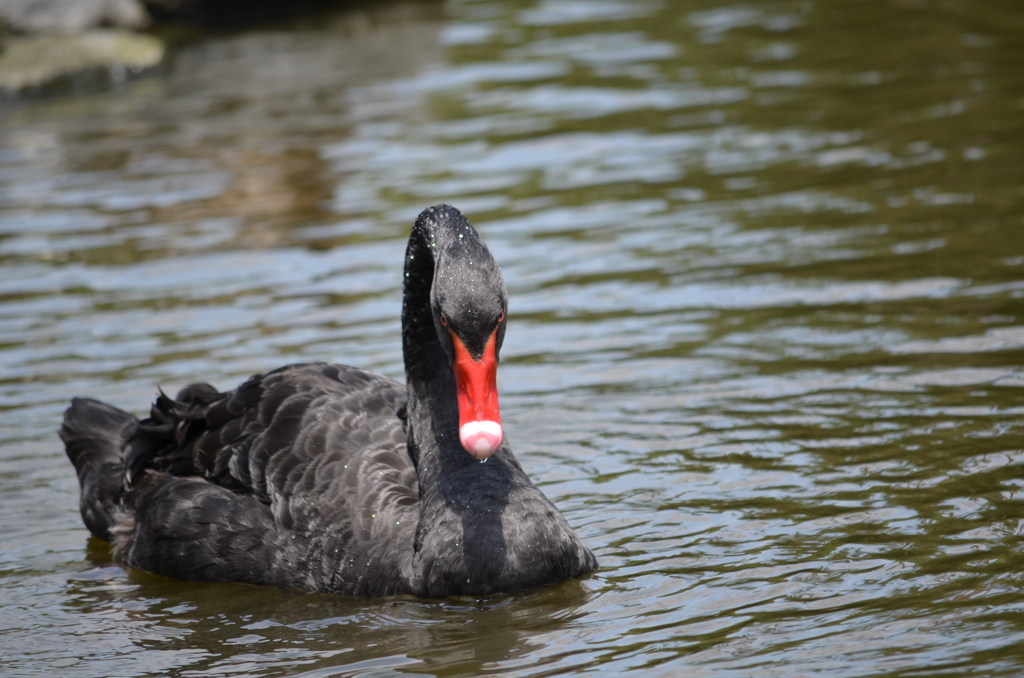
(330, 478)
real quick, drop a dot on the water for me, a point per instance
(765, 348)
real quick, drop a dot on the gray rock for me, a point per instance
(36, 62)
(70, 16)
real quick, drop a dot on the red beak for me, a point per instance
(477, 387)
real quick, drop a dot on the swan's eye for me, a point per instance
(444, 321)
(501, 318)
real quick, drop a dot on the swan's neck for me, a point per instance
(463, 543)
(433, 405)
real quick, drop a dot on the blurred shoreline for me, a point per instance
(54, 47)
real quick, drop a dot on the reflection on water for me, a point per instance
(765, 347)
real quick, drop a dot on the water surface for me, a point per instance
(765, 347)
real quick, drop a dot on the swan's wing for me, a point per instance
(262, 437)
(299, 477)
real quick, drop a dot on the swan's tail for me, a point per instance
(95, 436)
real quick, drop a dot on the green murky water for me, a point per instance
(766, 339)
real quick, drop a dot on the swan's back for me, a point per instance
(298, 478)
(271, 435)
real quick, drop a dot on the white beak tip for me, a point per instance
(481, 438)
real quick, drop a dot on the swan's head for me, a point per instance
(469, 304)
